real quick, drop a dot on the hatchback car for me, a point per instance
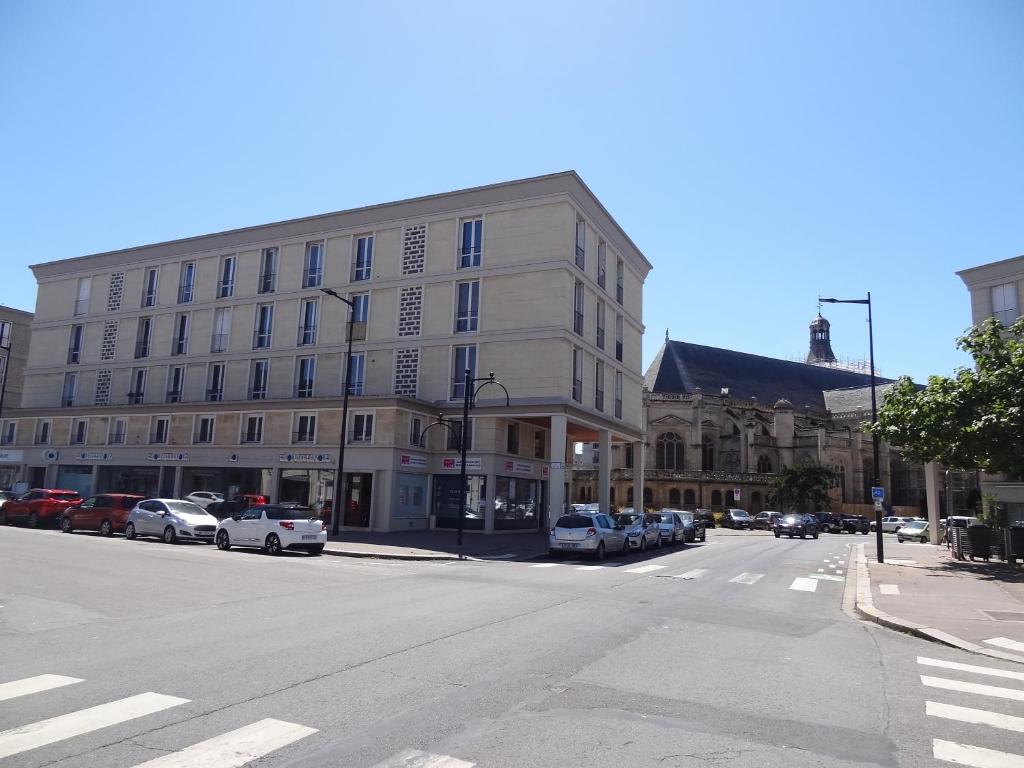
(915, 530)
(797, 524)
(736, 518)
(273, 528)
(694, 527)
(105, 513)
(670, 523)
(706, 515)
(171, 520)
(204, 498)
(764, 521)
(591, 533)
(641, 530)
(39, 506)
(829, 522)
(856, 524)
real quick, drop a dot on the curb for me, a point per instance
(393, 555)
(864, 605)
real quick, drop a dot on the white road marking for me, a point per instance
(803, 584)
(55, 729)
(415, 759)
(544, 565)
(591, 567)
(976, 716)
(16, 688)
(978, 757)
(696, 573)
(839, 573)
(825, 577)
(821, 570)
(826, 560)
(646, 568)
(889, 589)
(978, 688)
(970, 668)
(747, 578)
(1005, 642)
(235, 748)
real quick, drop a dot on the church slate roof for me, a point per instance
(681, 367)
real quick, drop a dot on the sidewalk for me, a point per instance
(922, 590)
(438, 545)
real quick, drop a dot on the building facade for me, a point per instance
(218, 362)
(14, 339)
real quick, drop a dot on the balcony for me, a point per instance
(312, 278)
(215, 394)
(225, 289)
(267, 283)
(261, 340)
(302, 437)
(174, 396)
(149, 299)
(307, 335)
(185, 294)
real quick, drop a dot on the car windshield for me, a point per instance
(665, 517)
(739, 513)
(574, 521)
(687, 517)
(293, 513)
(915, 524)
(185, 508)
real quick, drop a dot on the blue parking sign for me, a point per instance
(877, 492)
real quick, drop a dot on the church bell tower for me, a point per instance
(821, 345)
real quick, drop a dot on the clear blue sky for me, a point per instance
(758, 152)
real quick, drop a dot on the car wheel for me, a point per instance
(643, 544)
(33, 520)
(106, 529)
(3, 517)
(658, 545)
(803, 535)
(778, 535)
(223, 542)
(169, 535)
(598, 553)
(625, 547)
(814, 535)
(314, 551)
(273, 545)
(129, 531)
(65, 524)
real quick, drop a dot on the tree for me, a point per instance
(802, 486)
(972, 420)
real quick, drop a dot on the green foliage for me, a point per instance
(972, 420)
(803, 488)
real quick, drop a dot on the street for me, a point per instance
(736, 652)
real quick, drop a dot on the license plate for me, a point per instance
(309, 537)
(570, 545)
(203, 533)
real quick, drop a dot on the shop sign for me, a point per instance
(11, 456)
(305, 458)
(167, 456)
(545, 472)
(411, 460)
(472, 463)
(94, 456)
(520, 467)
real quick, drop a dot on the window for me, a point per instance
(618, 337)
(360, 315)
(42, 433)
(313, 272)
(707, 454)
(226, 286)
(628, 457)
(118, 431)
(5, 335)
(577, 375)
(512, 439)
(416, 432)
(258, 375)
(620, 270)
(215, 382)
(82, 297)
(362, 428)
(362, 265)
(160, 430)
(175, 383)
(305, 428)
(764, 465)
(204, 429)
(149, 287)
(268, 271)
(307, 322)
(581, 243)
(143, 335)
(472, 243)
(577, 308)
(67, 397)
(463, 358)
(1004, 303)
(600, 325)
(179, 343)
(137, 388)
(252, 428)
(75, 343)
(221, 334)
(455, 436)
(305, 372)
(668, 452)
(602, 263)
(467, 306)
(618, 394)
(356, 377)
(79, 431)
(187, 285)
(9, 433)
(538, 444)
(264, 326)
(599, 385)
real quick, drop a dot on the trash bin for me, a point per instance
(980, 537)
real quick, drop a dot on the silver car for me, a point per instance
(671, 525)
(171, 520)
(641, 530)
(591, 533)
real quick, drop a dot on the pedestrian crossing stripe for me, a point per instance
(804, 584)
(413, 758)
(975, 716)
(1005, 642)
(38, 684)
(978, 757)
(235, 748)
(992, 671)
(646, 568)
(696, 573)
(746, 578)
(976, 688)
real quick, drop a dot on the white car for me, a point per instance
(171, 520)
(273, 528)
(204, 498)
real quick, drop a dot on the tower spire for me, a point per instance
(821, 345)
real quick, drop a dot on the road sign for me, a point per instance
(877, 492)
(878, 505)
(736, 492)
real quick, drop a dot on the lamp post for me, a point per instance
(339, 481)
(876, 480)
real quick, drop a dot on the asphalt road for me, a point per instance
(733, 653)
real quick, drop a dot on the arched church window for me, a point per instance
(707, 454)
(689, 499)
(716, 498)
(673, 497)
(764, 464)
(668, 451)
(648, 496)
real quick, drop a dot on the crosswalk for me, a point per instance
(969, 706)
(228, 750)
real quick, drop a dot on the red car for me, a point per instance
(39, 506)
(106, 513)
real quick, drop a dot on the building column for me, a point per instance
(491, 501)
(177, 481)
(932, 484)
(639, 465)
(556, 478)
(272, 477)
(604, 469)
(95, 480)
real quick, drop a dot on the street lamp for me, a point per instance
(874, 416)
(339, 481)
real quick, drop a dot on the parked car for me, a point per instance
(6, 496)
(706, 515)
(230, 507)
(856, 524)
(105, 513)
(892, 524)
(641, 530)
(204, 498)
(273, 528)
(671, 525)
(829, 522)
(694, 527)
(171, 520)
(764, 521)
(797, 524)
(915, 530)
(39, 506)
(736, 518)
(591, 533)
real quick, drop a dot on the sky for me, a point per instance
(760, 154)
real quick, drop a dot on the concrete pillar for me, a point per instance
(94, 481)
(272, 479)
(556, 479)
(932, 484)
(178, 471)
(639, 465)
(604, 469)
(492, 497)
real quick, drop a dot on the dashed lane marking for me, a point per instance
(825, 577)
(696, 573)
(416, 759)
(992, 671)
(975, 716)
(746, 578)
(803, 584)
(889, 589)
(978, 757)
(16, 688)
(646, 568)
(978, 688)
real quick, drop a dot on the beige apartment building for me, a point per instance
(218, 363)
(14, 336)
